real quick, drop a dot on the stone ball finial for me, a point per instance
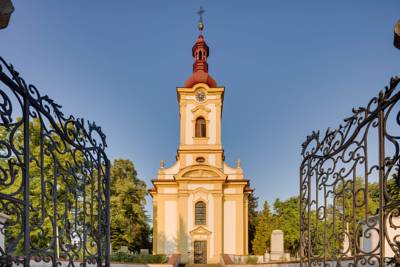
(238, 165)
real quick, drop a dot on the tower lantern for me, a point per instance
(200, 53)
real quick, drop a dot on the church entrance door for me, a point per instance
(200, 252)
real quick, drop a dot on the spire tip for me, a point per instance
(201, 24)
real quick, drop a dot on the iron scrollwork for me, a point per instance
(54, 180)
(349, 194)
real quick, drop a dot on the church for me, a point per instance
(200, 203)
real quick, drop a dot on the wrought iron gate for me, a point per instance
(349, 188)
(54, 181)
(200, 252)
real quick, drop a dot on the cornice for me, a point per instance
(202, 148)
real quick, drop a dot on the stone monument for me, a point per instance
(144, 251)
(267, 257)
(124, 249)
(346, 249)
(277, 248)
(3, 219)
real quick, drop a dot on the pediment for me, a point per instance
(200, 230)
(200, 194)
(200, 174)
(201, 107)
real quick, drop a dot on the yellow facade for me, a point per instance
(200, 174)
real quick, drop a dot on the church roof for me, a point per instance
(200, 53)
(200, 77)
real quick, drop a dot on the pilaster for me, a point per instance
(183, 231)
(218, 224)
(240, 226)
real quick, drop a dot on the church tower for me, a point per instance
(200, 204)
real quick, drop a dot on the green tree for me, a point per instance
(392, 189)
(350, 192)
(263, 229)
(253, 204)
(286, 218)
(129, 221)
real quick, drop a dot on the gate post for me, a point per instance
(309, 176)
(108, 241)
(382, 220)
(301, 218)
(99, 213)
(25, 178)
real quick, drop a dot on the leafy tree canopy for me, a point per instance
(253, 204)
(129, 221)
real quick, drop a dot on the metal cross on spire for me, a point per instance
(200, 13)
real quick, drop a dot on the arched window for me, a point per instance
(200, 213)
(200, 127)
(200, 55)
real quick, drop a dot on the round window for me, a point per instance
(200, 160)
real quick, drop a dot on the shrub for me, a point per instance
(237, 260)
(138, 258)
(251, 260)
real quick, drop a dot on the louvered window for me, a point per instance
(200, 127)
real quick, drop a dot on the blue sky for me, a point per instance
(289, 67)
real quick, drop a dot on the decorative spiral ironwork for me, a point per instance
(54, 180)
(349, 188)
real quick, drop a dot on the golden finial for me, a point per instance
(201, 25)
